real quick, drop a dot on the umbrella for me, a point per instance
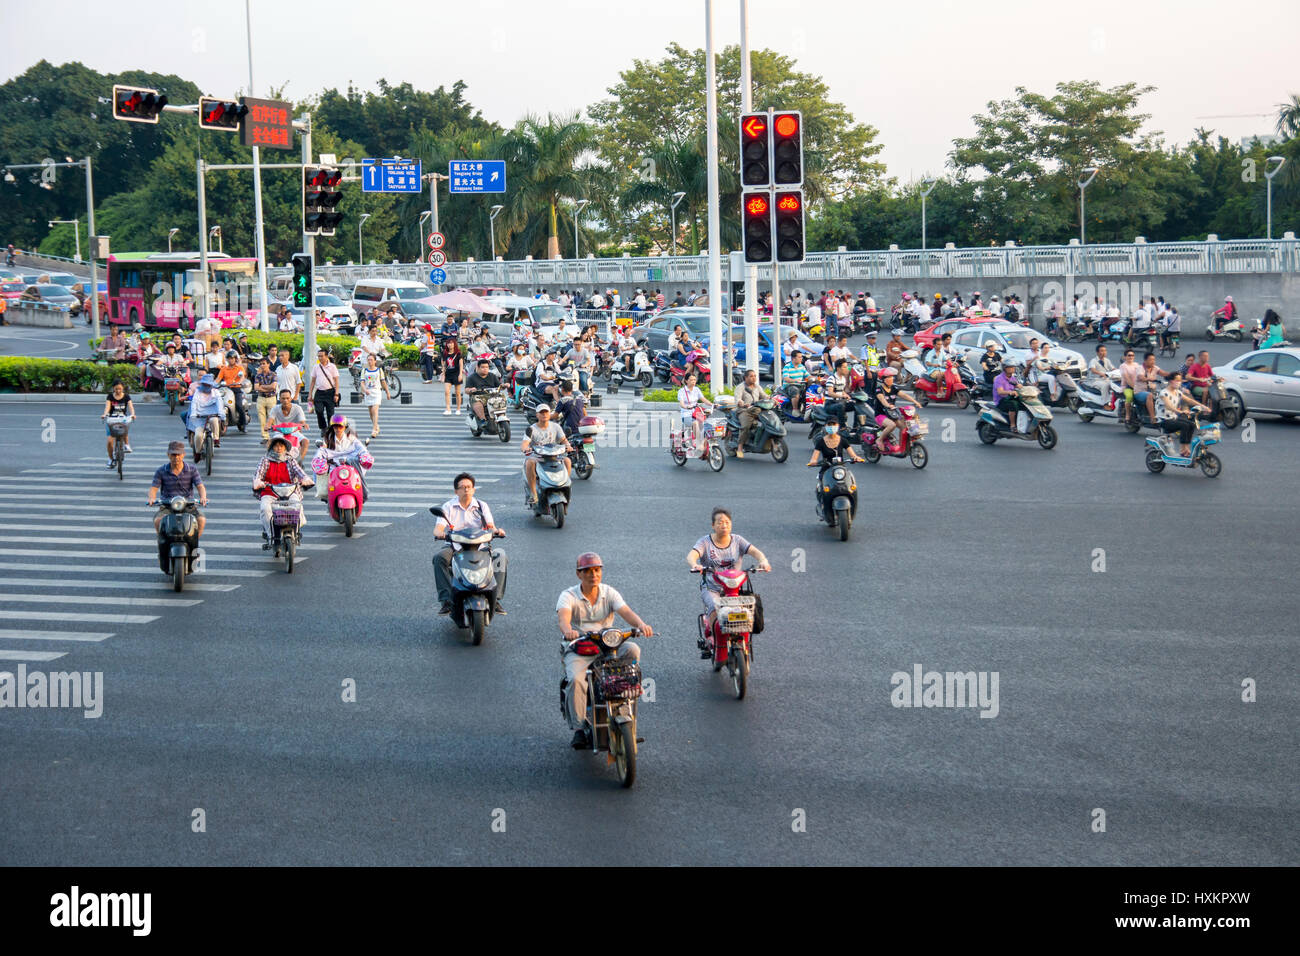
(461, 301)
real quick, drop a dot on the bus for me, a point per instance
(157, 290)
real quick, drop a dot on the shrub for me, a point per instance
(339, 346)
(64, 375)
(670, 394)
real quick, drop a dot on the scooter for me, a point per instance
(1258, 334)
(1234, 330)
(178, 539)
(613, 687)
(1139, 419)
(345, 489)
(235, 420)
(837, 496)
(812, 398)
(497, 420)
(286, 523)
(1169, 344)
(1069, 390)
(473, 581)
(1101, 398)
(1224, 407)
(912, 441)
(554, 485)
(1165, 451)
(697, 361)
(992, 424)
(952, 388)
(682, 444)
(642, 374)
(584, 452)
(863, 412)
(728, 642)
(766, 437)
(175, 386)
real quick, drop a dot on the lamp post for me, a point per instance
(1091, 171)
(929, 184)
(492, 233)
(76, 230)
(1268, 179)
(171, 232)
(672, 211)
(424, 217)
(577, 211)
(361, 259)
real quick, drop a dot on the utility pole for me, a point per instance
(711, 153)
(257, 186)
(751, 271)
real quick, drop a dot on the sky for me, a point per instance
(917, 71)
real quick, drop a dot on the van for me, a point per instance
(544, 315)
(369, 293)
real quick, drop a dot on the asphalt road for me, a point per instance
(1119, 690)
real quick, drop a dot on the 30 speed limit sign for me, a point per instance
(437, 240)
(437, 258)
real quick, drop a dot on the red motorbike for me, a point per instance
(950, 389)
(697, 363)
(729, 641)
(910, 438)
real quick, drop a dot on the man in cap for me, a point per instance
(177, 477)
(278, 467)
(207, 410)
(543, 432)
(589, 606)
(895, 348)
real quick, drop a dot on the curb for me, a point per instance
(87, 398)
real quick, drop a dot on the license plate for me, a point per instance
(922, 428)
(737, 616)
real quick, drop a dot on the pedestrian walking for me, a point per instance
(264, 386)
(324, 394)
(374, 389)
(453, 362)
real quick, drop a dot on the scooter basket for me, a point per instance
(619, 681)
(736, 614)
(918, 428)
(281, 517)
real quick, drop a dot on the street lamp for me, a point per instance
(492, 234)
(361, 259)
(929, 184)
(577, 210)
(171, 232)
(424, 217)
(1083, 184)
(215, 231)
(1268, 178)
(76, 228)
(672, 211)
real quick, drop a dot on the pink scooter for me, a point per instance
(346, 493)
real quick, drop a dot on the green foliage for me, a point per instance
(63, 375)
(670, 394)
(388, 120)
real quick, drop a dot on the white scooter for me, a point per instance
(1229, 330)
(1101, 398)
(642, 374)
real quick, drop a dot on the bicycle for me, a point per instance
(117, 425)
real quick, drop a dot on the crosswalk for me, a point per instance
(78, 554)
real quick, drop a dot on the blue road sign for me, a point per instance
(391, 176)
(476, 176)
(438, 276)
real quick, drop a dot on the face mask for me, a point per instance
(832, 429)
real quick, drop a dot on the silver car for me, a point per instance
(1012, 341)
(1265, 381)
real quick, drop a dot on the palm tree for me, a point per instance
(1288, 117)
(544, 156)
(673, 167)
(465, 223)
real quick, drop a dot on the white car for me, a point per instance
(1013, 342)
(1264, 381)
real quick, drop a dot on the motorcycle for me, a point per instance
(1078, 330)
(1234, 330)
(1069, 390)
(614, 685)
(728, 642)
(473, 580)
(682, 444)
(642, 373)
(584, 451)
(178, 539)
(497, 420)
(286, 523)
(345, 489)
(1224, 407)
(766, 437)
(812, 399)
(1101, 398)
(953, 388)
(837, 496)
(554, 485)
(912, 431)
(697, 361)
(1165, 451)
(175, 384)
(1169, 344)
(1259, 333)
(992, 424)
(863, 412)
(234, 420)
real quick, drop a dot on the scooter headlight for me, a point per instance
(838, 474)
(477, 576)
(345, 475)
(611, 637)
(177, 503)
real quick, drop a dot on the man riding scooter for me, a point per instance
(206, 410)
(462, 513)
(747, 397)
(1004, 393)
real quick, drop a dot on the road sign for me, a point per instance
(438, 276)
(476, 176)
(394, 175)
(437, 240)
(437, 258)
(267, 123)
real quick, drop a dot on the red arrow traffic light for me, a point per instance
(754, 127)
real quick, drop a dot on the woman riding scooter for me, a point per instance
(340, 442)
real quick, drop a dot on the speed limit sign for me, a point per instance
(437, 258)
(437, 240)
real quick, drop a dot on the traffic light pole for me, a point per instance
(202, 311)
(751, 271)
(718, 383)
(777, 342)
(309, 246)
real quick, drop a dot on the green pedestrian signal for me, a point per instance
(302, 280)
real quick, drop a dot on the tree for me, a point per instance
(384, 122)
(545, 156)
(1288, 117)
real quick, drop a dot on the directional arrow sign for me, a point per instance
(437, 240)
(754, 127)
(437, 258)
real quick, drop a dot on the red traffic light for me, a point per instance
(756, 205)
(787, 124)
(137, 104)
(789, 203)
(754, 127)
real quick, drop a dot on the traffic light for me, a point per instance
(755, 150)
(320, 198)
(137, 104)
(787, 149)
(220, 114)
(789, 226)
(757, 216)
(302, 279)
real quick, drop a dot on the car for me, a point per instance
(655, 331)
(10, 275)
(12, 289)
(488, 291)
(369, 293)
(337, 310)
(810, 349)
(1012, 341)
(334, 289)
(66, 279)
(1265, 381)
(925, 337)
(52, 294)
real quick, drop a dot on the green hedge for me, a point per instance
(340, 346)
(64, 375)
(670, 394)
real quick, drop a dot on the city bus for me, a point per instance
(157, 290)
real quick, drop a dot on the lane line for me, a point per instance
(122, 569)
(85, 618)
(134, 555)
(89, 637)
(33, 539)
(160, 585)
(97, 599)
(31, 655)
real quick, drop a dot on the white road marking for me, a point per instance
(75, 618)
(87, 636)
(31, 655)
(97, 599)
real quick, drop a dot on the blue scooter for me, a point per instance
(1164, 451)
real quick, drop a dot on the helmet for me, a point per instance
(145, 335)
(897, 333)
(339, 420)
(938, 295)
(170, 346)
(589, 559)
(1010, 365)
(1227, 298)
(888, 372)
(907, 297)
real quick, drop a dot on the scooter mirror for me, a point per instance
(437, 512)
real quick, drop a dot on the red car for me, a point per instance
(12, 290)
(925, 338)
